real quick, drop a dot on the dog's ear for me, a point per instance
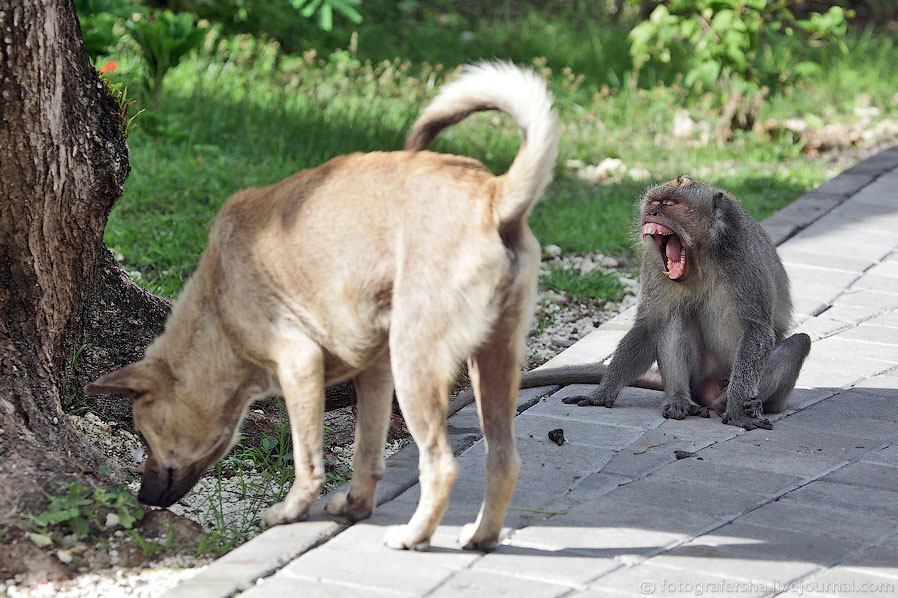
(132, 381)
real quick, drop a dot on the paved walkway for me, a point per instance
(809, 508)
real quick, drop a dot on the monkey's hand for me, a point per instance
(594, 400)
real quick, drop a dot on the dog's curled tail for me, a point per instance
(522, 95)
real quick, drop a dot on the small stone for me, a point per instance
(552, 250)
(557, 436)
(64, 556)
(112, 520)
(40, 540)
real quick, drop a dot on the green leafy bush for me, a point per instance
(163, 39)
(736, 46)
(99, 21)
(85, 512)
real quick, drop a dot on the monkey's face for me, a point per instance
(671, 215)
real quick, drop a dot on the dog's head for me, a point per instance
(187, 427)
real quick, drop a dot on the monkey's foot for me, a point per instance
(746, 421)
(586, 401)
(679, 409)
(753, 407)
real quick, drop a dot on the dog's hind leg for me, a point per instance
(301, 377)
(422, 388)
(374, 388)
(494, 371)
(494, 377)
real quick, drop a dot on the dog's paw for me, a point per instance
(342, 505)
(401, 537)
(282, 512)
(470, 540)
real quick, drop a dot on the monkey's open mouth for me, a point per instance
(673, 252)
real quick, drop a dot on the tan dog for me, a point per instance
(387, 268)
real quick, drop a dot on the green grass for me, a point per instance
(242, 113)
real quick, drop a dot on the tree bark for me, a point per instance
(63, 164)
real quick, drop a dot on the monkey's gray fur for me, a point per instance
(713, 311)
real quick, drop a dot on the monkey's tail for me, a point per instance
(521, 94)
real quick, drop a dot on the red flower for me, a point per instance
(109, 67)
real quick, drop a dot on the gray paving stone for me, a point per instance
(834, 373)
(289, 585)
(682, 496)
(812, 240)
(844, 581)
(773, 459)
(576, 431)
(881, 284)
(240, 568)
(874, 334)
(886, 456)
(871, 475)
(804, 397)
(846, 496)
(837, 349)
(617, 534)
(799, 516)
(873, 215)
(698, 470)
(807, 208)
(550, 469)
(879, 560)
(878, 164)
(689, 434)
(597, 484)
(816, 418)
(792, 257)
(359, 557)
(744, 551)
(651, 579)
(888, 269)
(808, 443)
(862, 298)
(852, 313)
(845, 184)
(779, 229)
(635, 408)
(477, 584)
(860, 403)
(632, 464)
(562, 567)
(886, 320)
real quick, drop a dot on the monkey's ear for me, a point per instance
(132, 381)
(721, 217)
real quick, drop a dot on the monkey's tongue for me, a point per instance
(676, 257)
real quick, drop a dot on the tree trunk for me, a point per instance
(63, 164)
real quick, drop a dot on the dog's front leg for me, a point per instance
(301, 376)
(374, 388)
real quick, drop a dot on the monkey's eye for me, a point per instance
(669, 202)
(654, 203)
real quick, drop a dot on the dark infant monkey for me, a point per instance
(713, 311)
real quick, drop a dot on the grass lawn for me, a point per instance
(240, 113)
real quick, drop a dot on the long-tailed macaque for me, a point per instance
(713, 311)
